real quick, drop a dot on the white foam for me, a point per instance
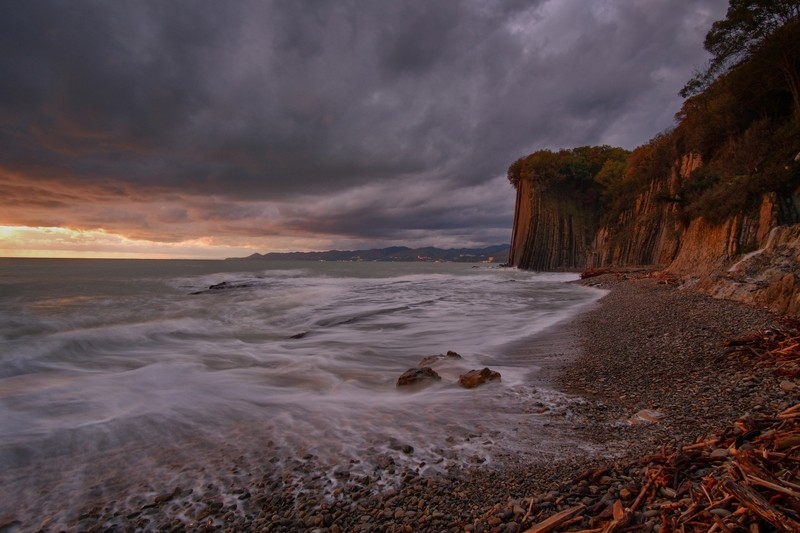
(150, 366)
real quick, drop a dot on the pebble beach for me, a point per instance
(643, 368)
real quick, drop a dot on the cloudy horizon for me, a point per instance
(215, 129)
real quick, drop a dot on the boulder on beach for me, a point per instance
(429, 360)
(414, 376)
(475, 378)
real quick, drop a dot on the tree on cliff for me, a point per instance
(579, 168)
(763, 31)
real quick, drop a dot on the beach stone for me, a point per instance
(505, 514)
(719, 453)
(414, 376)
(475, 378)
(668, 492)
(645, 416)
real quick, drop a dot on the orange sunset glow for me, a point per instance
(25, 241)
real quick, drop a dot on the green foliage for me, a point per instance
(611, 173)
(748, 24)
(645, 164)
(757, 161)
(755, 90)
(652, 160)
(745, 123)
(574, 169)
(581, 175)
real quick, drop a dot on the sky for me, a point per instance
(208, 129)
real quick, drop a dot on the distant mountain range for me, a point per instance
(492, 254)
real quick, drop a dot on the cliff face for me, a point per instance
(550, 232)
(715, 200)
(752, 257)
(649, 232)
(768, 277)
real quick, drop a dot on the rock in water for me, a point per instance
(429, 360)
(413, 376)
(475, 378)
(225, 285)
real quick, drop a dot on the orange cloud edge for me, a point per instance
(63, 242)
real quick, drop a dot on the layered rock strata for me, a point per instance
(752, 257)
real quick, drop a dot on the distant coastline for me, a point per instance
(490, 254)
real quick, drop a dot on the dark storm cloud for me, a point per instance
(445, 217)
(279, 100)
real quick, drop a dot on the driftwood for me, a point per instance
(753, 487)
(592, 272)
(743, 479)
(759, 506)
(552, 523)
(779, 348)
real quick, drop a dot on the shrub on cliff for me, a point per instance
(646, 163)
(578, 169)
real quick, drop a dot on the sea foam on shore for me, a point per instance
(645, 345)
(126, 382)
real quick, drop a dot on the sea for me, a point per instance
(120, 379)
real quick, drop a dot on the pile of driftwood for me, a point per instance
(779, 348)
(745, 479)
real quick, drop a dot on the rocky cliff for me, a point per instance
(649, 231)
(768, 277)
(715, 200)
(550, 232)
(752, 255)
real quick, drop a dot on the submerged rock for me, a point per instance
(429, 360)
(413, 376)
(475, 378)
(225, 285)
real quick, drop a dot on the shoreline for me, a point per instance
(672, 364)
(672, 361)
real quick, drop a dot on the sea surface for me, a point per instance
(120, 379)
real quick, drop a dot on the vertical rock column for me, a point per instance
(549, 233)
